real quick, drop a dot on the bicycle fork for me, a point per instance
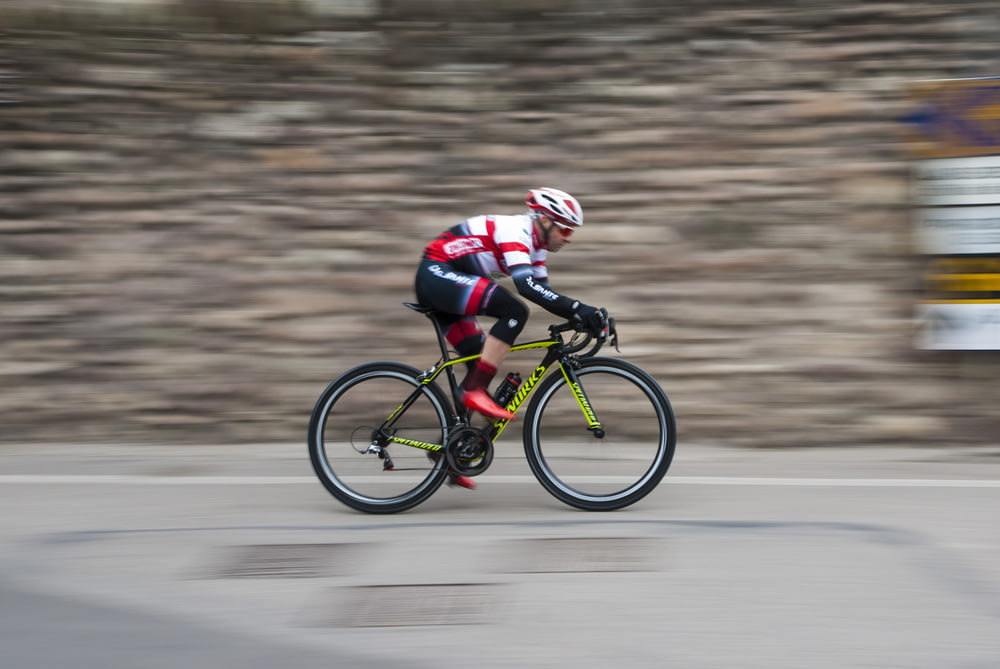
(580, 395)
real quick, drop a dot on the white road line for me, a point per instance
(845, 483)
(138, 479)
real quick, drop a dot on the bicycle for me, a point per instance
(599, 435)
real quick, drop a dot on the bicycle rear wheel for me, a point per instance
(593, 471)
(345, 438)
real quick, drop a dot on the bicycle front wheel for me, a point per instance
(349, 444)
(609, 468)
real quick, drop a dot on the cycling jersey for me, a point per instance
(489, 246)
(492, 247)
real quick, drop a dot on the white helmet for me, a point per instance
(558, 205)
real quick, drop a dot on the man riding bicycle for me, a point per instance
(457, 278)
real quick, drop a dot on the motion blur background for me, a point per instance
(210, 208)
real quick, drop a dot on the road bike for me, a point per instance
(599, 433)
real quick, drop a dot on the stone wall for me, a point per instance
(211, 209)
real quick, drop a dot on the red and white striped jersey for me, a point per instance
(489, 246)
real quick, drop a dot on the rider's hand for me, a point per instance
(594, 319)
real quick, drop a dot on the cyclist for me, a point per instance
(458, 273)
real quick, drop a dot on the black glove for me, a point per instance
(594, 319)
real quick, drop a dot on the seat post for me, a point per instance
(429, 312)
(442, 343)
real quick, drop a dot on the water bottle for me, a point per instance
(507, 388)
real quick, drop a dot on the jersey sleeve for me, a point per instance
(539, 271)
(538, 291)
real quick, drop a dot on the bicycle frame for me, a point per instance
(555, 355)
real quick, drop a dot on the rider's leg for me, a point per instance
(436, 286)
(493, 353)
(464, 335)
(495, 350)
(511, 315)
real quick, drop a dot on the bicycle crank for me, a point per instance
(469, 451)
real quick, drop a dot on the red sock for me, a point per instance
(480, 376)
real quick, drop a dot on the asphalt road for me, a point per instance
(165, 556)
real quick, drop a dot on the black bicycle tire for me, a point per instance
(323, 469)
(568, 495)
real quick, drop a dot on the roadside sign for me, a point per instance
(955, 118)
(955, 133)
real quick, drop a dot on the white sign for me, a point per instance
(959, 326)
(958, 231)
(958, 181)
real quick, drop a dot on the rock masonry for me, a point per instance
(209, 210)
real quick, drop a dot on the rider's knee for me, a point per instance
(511, 314)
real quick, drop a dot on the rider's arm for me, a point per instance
(541, 277)
(539, 292)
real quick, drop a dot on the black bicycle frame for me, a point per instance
(553, 355)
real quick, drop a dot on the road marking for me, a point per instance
(845, 483)
(139, 479)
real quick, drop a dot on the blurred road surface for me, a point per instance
(155, 556)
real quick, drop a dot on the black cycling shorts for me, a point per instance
(459, 297)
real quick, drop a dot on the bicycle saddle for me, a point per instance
(419, 308)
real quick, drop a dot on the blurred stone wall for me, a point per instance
(210, 209)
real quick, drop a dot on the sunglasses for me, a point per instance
(566, 232)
